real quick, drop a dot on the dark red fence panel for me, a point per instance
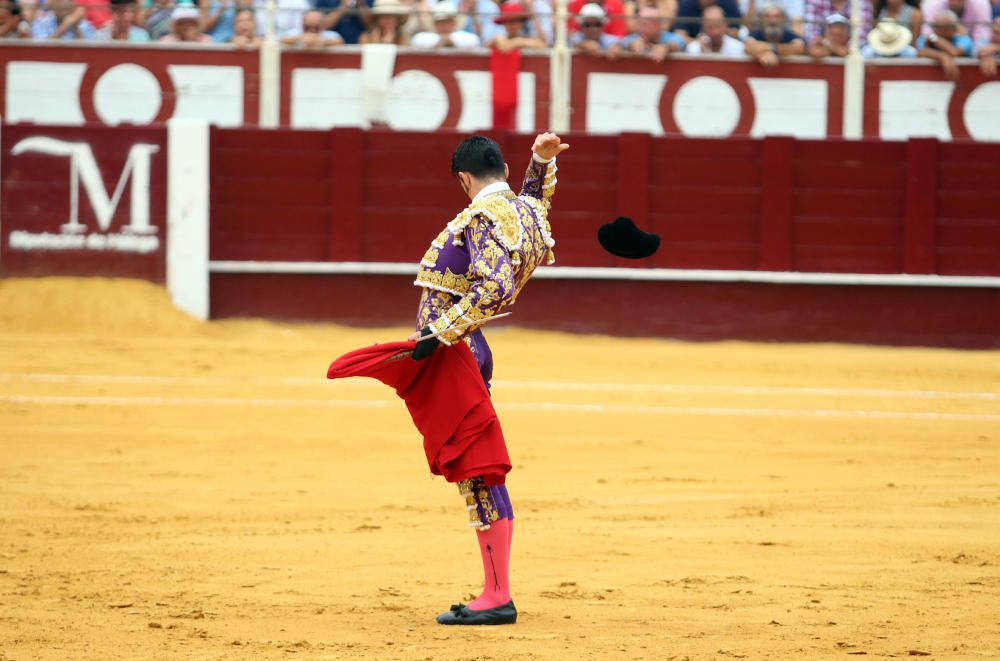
(848, 206)
(270, 195)
(775, 204)
(967, 230)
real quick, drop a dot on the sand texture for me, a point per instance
(171, 489)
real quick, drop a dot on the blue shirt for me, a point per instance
(605, 41)
(45, 26)
(961, 41)
(350, 26)
(665, 38)
(225, 27)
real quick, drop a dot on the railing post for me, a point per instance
(854, 80)
(270, 73)
(559, 72)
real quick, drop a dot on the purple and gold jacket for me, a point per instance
(479, 263)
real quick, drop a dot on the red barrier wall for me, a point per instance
(775, 204)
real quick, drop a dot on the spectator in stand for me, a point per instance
(218, 18)
(773, 40)
(973, 15)
(155, 18)
(818, 10)
(905, 12)
(614, 16)
(592, 39)
(713, 39)
(689, 13)
(122, 26)
(794, 10)
(12, 23)
(889, 39)
(667, 7)
(989, 52)
(98, 12)
(245, 29)
(514, 17)
(420, 18)
(540, 26)
(476, 16)
(185, 27)
(311, 34)
(389, 16)
(348, 18)
(945, 43)
(446, 33)
(650, 38)
(835, 40)
(62, 20)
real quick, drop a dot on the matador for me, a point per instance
(473, 269)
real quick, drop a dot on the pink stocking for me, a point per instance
(494, 545)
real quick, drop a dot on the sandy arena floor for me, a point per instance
(175, 490)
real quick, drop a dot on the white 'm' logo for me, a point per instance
(83, 167)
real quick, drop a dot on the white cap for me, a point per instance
(182, 12)
(593, 10)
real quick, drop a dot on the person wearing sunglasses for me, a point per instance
(591, 38)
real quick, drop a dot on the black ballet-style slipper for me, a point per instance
(463, 615)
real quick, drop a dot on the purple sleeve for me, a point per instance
(492, 283)
(540, 181)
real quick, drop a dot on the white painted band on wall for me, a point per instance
(634, 274)
(187, 215)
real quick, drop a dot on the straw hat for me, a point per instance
(889, 38)
(390, 8)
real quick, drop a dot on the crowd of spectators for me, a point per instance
(942, 30)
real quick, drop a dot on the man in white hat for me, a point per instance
(591, 38)
(889, 39)
(446, 34)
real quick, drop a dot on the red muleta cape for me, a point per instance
(448, 401)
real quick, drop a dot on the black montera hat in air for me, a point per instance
(624, 239)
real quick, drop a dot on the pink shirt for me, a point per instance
(976, 18)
